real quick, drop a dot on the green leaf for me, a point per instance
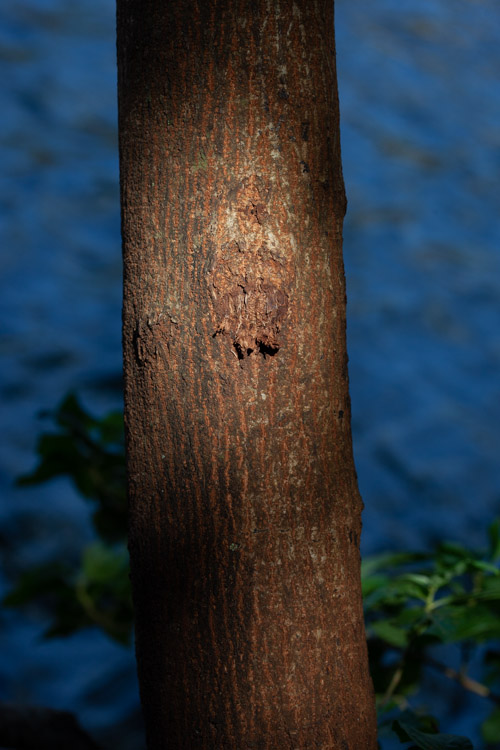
(490, 589)
(426, 741)
(90, 451)
(424, 722)
(491, 727)
(417, 578)
(390, 633)
(111, 428)
(58, 456)
(103, 590)
(410, 587)
(47, 579)
(486, 567)
(390, 561)
(374, 583)
(465, 622)
(101, 564)
(449, 553)
(494, 537)
(50, 588)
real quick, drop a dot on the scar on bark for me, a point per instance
(249, 291)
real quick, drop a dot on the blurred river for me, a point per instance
(420, 109)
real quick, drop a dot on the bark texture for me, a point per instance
(244, 507)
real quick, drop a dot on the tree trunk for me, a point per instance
(244, 507)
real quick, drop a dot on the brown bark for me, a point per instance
(244, 507)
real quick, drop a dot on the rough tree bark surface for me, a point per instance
(244, 507)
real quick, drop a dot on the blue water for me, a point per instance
(420, 107)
